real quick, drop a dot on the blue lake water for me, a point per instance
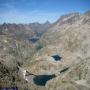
(42, 79)
(57, 57)
(33, 40)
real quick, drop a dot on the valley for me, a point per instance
(49, 56)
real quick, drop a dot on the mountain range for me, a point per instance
(67, 39)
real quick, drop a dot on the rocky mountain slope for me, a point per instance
(15, 50)
(69, 38)
(60, 60)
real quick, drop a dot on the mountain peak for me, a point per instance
(47, 22)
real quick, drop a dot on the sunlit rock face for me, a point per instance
(70, 38)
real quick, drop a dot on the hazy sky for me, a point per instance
(26, 11)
